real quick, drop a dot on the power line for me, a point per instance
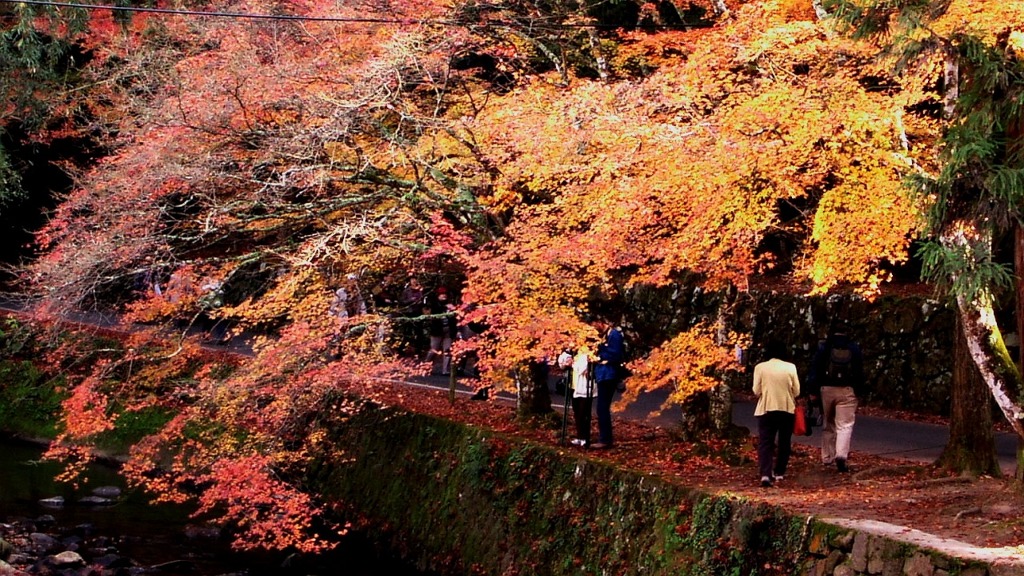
(235, 15)
(294, 17)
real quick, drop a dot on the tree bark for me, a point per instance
(951, 79)
(707, 414)
(595, 47)
(985, 345)
(1018, 266)
(997, 369)
(819, 9)
(534, 395)
(971, 446)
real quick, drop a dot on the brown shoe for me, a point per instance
(600, 446)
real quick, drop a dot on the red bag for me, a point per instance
(799, 422)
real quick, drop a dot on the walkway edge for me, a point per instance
(1005, 556)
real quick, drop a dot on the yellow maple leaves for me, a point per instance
(692, 361)
(986, 20)
(768, 135)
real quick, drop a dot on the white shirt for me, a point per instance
(582, 383)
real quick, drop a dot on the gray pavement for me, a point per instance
(891, 438)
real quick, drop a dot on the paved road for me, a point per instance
(887, 437)
(893, 438)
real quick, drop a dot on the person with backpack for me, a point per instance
(836, 377)
(442, 329)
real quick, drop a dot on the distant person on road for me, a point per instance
(608, 374)
(339, 305)
(212, 299)
(177, 287)
(776, 386)
(836, 377)
(412, 297)
(442, 330)
(468, 332)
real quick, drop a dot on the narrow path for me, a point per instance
(885, 437)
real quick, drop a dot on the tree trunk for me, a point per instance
(819, 9)
(951, 80)
(997, 369)
(1018, 266)
(985, 344)
(971, 446)
(707, 413)
(534, 395)
(595, 46)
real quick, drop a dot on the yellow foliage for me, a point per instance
(339, 152)
(689, 170)
(1016, 43)
(691, 362)
(720, 145)
(854, 234)
(983, 19)
(797, 9)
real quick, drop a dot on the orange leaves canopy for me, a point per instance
(767, 151)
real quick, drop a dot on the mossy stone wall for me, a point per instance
(907, 338)
(459, 500)
(907, 341)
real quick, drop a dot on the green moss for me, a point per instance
(462, 500)
(30, 406)
(29, 400)
(130, 427)
(497, 503)
(15, 337)
(458, 499)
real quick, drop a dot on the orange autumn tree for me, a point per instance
(967, 58)
(260, 164)
(770, 134)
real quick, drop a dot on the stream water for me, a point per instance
(155, 535)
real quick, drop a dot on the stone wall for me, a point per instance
(907, 341)
(459, 500)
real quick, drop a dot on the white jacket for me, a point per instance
(582, 381)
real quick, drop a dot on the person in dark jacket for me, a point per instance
(608, 374)
(442, 330)
(836, 376)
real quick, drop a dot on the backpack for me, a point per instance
(839, 370)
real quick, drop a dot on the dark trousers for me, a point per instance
(581, 413)
(605, 394)
(777, 423)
